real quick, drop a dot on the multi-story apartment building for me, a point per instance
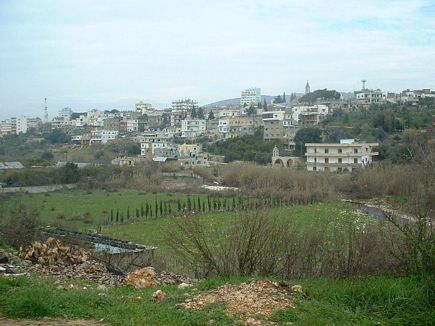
(229, 112)
(112, 123)
(108, 135)
(321, 110)
(224, 127)
(243, 125)
(273, 124)
(151, 142)
(250, 96)
(144, 108)
(181, 109)
(366, 97)
(191, 128)
(348, 155)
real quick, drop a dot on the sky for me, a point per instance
(108, 54)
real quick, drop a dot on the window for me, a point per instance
(326, 150)
(315, 160)
(355, 150)
(314, 168)
(340, 160)
(326, 168)
(326, 160)
(315, 150)
(339, 170)
(355, 160)
(340, 151)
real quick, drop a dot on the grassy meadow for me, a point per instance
(375, 300)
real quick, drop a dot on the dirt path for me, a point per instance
(49, 322)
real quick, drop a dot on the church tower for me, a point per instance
(307, 88)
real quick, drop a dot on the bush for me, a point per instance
(264, 245)
(19, 225)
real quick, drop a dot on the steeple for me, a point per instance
(307, 88)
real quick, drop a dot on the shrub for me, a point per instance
(19, 225)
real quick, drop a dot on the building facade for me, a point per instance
(250, 96)
(346, 156)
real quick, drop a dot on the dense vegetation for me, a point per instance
(245, 148)
(320, 95)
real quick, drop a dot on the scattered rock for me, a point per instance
(4, 257)
(183, 285)
(169, 278)
(296, 288)
(142, 278)
(257, 299)
(159, 295)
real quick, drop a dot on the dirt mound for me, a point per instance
(260, 299)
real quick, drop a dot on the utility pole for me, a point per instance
(45, 111)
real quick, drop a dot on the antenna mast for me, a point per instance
(45, 112)
(363, 84)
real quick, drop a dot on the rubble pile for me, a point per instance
(10, 265)
(142, 278)
(259, 299)
(147, 277)
(53, 251)
(170, 278)
(89, 270)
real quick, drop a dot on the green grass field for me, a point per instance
(368, 301)
(69, 207)
(321, 216)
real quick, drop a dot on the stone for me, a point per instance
(159, 295)
(142, 278)
(296, 288)
(4, 257)
(183, 285)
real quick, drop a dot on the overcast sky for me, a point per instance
(86, 54)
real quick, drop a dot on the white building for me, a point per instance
(344, 157)
(321, 110)
(369, 96)
(182, 109)
(191, 128)
(144, 108)
(230, 113)
(65, 113)
(250, 96)
(223, 127)
(108, 135)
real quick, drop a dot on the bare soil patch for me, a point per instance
(49, 322)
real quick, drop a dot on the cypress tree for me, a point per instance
(178, 204)
(117, 215)
(137, 212)
(111, 215)
(199, 203)
(189, 204)
(156, 208)
(161, 208)
(142, 212)
(128, 212)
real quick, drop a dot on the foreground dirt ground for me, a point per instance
(49, 322)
